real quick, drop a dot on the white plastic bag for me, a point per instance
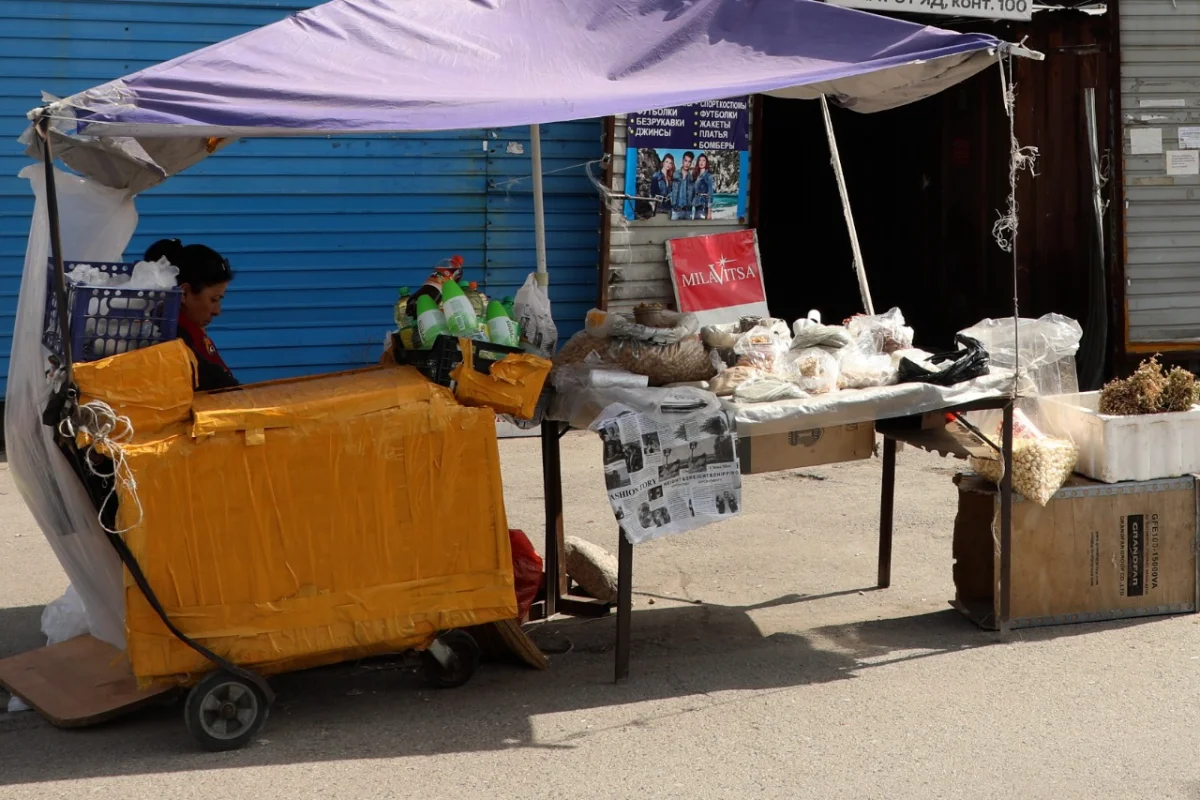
(1047, 351)
(65, 618)
(813, 369)
(881, 333)
(159, 274)
(861, 370)
(539, 335)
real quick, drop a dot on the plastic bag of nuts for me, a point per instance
(1041, 463)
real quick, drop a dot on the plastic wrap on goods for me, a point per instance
(881, 333)
(309, 521)
(664, 355)
(1047, 351)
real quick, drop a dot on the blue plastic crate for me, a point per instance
(105, 320)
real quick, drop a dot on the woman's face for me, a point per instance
(702, 163)
(205, 305)
(668, 165)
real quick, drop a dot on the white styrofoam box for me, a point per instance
(1137, 448)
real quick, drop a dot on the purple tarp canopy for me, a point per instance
(359, 66)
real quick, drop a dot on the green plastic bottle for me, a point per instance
(460, 316)
(431, 323)
(501, 328)
(405, 324)
(508, 304)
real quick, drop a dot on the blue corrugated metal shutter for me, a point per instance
(572, 216)
(321, 231)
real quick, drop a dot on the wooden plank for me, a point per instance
(79, 682)
(505, 637)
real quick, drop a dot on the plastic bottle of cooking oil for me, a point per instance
(431, 323)
(460, 316)
(405, 324)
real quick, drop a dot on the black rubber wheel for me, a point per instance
(464, 660)
(224, 712)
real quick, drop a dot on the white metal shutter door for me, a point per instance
(1160, 91)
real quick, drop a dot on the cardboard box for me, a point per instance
(1094, 552)
(773, 452)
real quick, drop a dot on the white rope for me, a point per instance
(1019, 158)
(1005, 229)
(108, 432)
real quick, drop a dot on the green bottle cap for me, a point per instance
(425, 303)
(451, 289)
(403, 291)
(495, 311)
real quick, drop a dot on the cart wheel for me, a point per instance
(224, 712)
(451, 660)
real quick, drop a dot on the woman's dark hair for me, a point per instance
(199, 265)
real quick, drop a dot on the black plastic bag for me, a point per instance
(968, 363)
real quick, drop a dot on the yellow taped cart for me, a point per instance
(301, 523)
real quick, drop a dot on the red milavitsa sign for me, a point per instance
(718, 278)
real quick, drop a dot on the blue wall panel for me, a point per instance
(320, 231)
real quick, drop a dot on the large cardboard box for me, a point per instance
(1094, 552)
(773, 452)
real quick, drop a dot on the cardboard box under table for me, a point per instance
(1094, 552)
(813, 447)
(309, 521)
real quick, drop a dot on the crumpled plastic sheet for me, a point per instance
(96, 225)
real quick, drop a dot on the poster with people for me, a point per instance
(689, 162)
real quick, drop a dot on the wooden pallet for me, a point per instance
(79, 682)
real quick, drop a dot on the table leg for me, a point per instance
(887, 505)
(1006, 490)
(552, 486)
(624, 606)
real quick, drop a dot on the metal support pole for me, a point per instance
(552, 487)
(859, 268)
(887, 504)
(624, 607)
(56, 252)
(539, 204)
(1006, 503)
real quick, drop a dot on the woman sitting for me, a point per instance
(203, 276)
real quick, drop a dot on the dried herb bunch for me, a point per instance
(1150, 390)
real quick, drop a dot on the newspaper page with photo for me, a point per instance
(669, 473)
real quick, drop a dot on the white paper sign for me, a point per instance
(1189, 138)
(1183, 162)
(980, 9)
(1145, 141)
(1163, 102)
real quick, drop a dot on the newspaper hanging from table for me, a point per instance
(669, 474)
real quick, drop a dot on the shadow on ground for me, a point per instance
(682, 655)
